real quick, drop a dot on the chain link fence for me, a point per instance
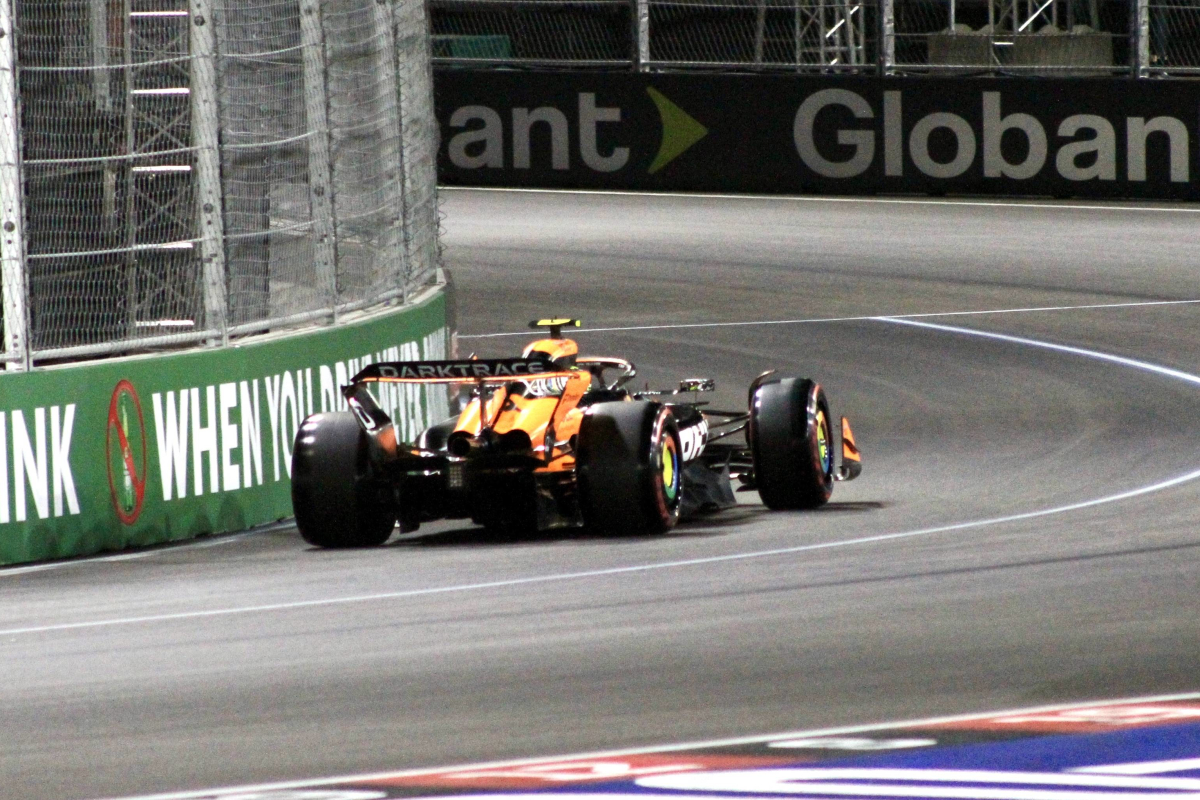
(549, 32)
(195, 170)
(829, 35)
(1038, 37)
(1173, 37)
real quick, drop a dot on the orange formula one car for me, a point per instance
(553, 439)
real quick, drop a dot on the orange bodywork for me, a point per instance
(554, 349)
(544, 405)
(849, 447)
(549, 421)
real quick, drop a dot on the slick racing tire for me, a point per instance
(337, 499)
(791, 444)
(628, 464)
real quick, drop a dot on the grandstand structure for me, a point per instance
(176, 173)
(1083, 37)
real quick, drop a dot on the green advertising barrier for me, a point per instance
(153, 449)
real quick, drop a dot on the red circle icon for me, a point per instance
(125, 441)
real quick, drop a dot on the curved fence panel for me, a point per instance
(194, 170)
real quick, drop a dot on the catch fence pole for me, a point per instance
(887, 36)
(320, 182)
(205, 114)
(12, 206)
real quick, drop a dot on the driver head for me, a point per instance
(562, 352)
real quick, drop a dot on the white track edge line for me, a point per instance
(667, 748)
(198, 543)
(1124, 361)
(785, 198)
(863, 318)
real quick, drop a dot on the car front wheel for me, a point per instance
(791, 443)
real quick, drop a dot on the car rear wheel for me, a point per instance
(629, 468)
(791, 444)
(337, 499)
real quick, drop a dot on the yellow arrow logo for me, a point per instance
(680, 130)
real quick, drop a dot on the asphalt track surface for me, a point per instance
(254, 658)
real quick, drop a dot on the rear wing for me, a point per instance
(476, 370)
(480, 371)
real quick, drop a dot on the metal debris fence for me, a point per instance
(1170, 38)
(176, 172)
(1053, 37)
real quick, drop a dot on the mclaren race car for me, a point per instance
(554, 439)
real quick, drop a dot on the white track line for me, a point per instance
(665, 748)
(214, 540)
(1133, 363)
(865, 318)
(691, 562)
(1144, 767)
(783, 198)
